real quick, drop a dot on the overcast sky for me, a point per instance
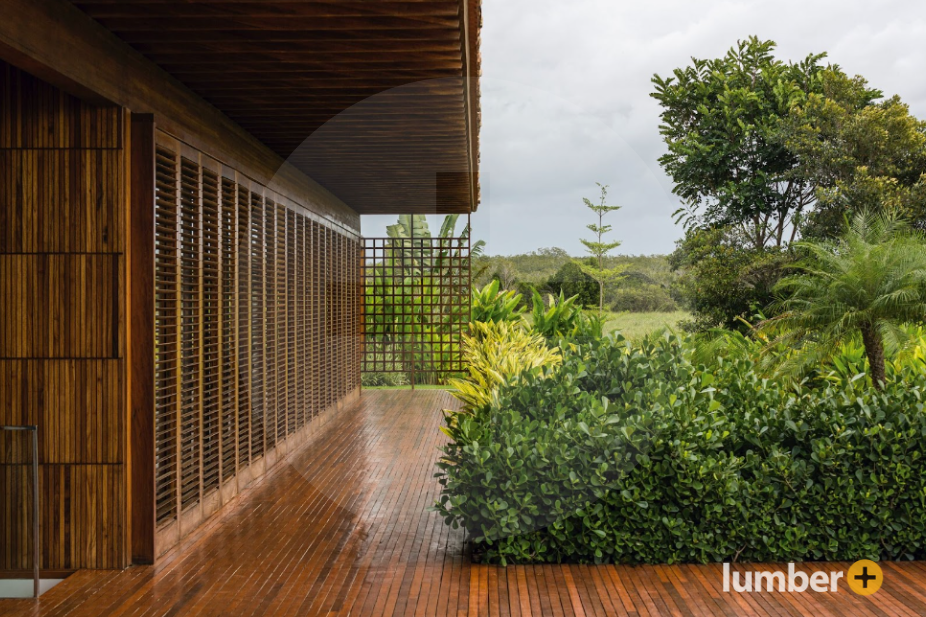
(565, 100)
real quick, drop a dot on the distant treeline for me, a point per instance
(648, 285)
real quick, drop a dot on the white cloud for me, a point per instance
(566, 99)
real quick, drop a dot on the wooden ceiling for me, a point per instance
(377, 100)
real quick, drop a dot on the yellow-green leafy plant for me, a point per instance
(497, 353)
(491, 303)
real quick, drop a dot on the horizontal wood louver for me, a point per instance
(190, 333)
(167, 322)
(280, 307)
(244, 326)
(292, 285)
(258, 323)
(301, 324)
(315, 282)
(229, 346)
(211, 332)
(328, 376)
(253, 331)
(270, 325)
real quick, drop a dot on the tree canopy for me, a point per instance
(763, 152)
(783, 148)
(721, 121)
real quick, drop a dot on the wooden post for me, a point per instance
(141, 341)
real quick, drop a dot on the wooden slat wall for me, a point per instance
(62, 333)
(255, 332)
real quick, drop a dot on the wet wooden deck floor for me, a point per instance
(343, 528)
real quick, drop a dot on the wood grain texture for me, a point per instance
(370, 99)
(344, 528)
(61, 305)
(64, 201)
(62, 323)
(77, 404)
(100, 66)
(140, 348)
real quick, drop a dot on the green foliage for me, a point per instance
(868, 283)
(491, 304)
(850, 362)
(570, 281)
(862, 155)
(635, 326)
(406, 294)
(779, 148)
(639, 455)
(558, 320)
(721, 121)
(533, 268)
(384, 380)
(648, 280)
(497, 353)
(723, 278)
(847, 364)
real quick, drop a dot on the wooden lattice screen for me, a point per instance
(416, 306)
(257, 314)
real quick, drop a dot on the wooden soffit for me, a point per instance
(377, 100)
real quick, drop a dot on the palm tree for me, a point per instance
(869, 282)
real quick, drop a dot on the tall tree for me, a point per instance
(598, 248)
(721, 121)
(869, 283)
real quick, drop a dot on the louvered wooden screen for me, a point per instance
(256, 318)
(167, 334)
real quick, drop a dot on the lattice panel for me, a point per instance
(416, 306)
(253, 329)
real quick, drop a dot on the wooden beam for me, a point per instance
(96, 63)
(141, 342)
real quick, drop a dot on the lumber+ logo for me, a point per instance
(864, 577)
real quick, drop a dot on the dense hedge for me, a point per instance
(639, 456)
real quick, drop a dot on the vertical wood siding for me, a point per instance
(256, 332)
(62, 332)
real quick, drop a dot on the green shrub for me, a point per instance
(491, 304)
(642, 298)
(557, 320)
(497, 353)
(635, 454)
(569, 281)
(722, 278)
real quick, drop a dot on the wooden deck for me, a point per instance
(344, 529)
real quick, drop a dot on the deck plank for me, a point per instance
(343, 527)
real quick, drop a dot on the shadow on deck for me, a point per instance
(343, 527)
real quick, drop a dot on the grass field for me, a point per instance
(635, 326)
